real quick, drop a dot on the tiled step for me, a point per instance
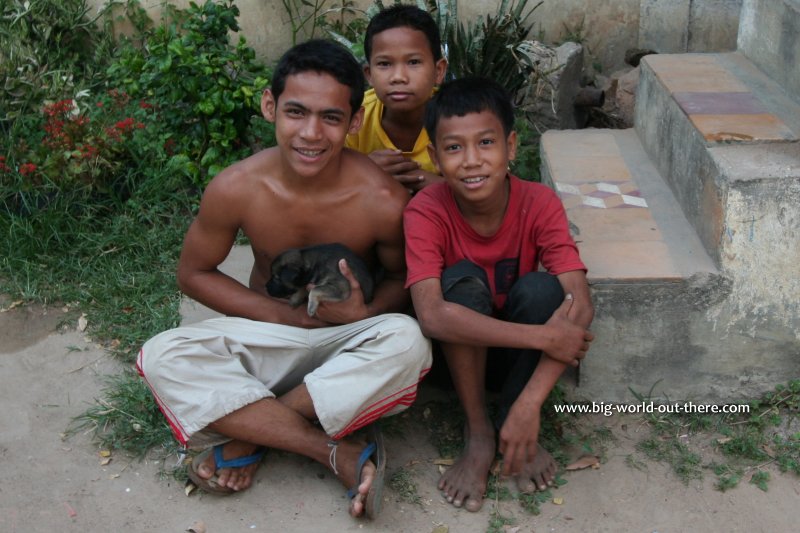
(769, 35)
(694, 113)
(652, 281)
(625, 220)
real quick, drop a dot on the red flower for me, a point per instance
(145, 105)
(26, 168)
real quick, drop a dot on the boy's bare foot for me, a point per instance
(235, 479)
(538, 474)
(464, 483)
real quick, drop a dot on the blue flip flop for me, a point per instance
(376, 449)
(210, 485)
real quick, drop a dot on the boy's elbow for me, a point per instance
(427, 323)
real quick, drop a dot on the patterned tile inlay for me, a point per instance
(601, 195)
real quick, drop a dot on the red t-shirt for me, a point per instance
(534, 230)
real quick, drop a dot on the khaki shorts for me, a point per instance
(355, 373)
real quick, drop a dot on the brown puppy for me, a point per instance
(296, 268)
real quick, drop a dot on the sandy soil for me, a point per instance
(52, 484)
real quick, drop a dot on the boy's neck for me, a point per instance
(403, 128)
(487, 216)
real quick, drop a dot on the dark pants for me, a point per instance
(532, 300)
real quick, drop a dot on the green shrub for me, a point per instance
(207, 90)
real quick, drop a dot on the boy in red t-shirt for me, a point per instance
(473, 248)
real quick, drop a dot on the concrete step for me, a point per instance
(652, 281)
(769, 35)
(696, 113)
(628, 225)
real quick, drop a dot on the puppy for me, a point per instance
(318, 265)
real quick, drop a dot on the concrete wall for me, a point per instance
(609, 27)
(769, 36)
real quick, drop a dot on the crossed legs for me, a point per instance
(254, 425)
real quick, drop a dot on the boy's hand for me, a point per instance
(394, 162)
(416, 181)
(347, 311)
(404, 169)
(519, 438)
(570, 342)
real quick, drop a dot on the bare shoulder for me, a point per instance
(377, 189)
(234, 189)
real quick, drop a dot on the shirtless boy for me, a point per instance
(267, 375)
(405, 63)
(473, 249)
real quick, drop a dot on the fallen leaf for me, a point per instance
(105, 453)
(189, 488)
(558, 501)
(105, 461)
(127, 310)
(197, 527)
(585, 461)
(441, 529)
(114, 476)
(82, 322)
(723, 440)
(12, 306)
(511, 529)
(70, 511)
(444, 462)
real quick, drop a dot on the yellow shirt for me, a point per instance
(372, 137)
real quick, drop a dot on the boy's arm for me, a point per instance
(574, 282)
(519, 436)
(207, 243)
(520, 432)
(560, 338)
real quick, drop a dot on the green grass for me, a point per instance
(736, 445)
(116, 264)
(403, 483)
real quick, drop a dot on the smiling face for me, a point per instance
(472, 152)
(402, 69)
(312, 119)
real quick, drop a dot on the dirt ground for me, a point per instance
(51, 484)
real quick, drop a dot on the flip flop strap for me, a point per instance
(366, 453)
(237, 462)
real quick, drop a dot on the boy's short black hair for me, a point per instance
(327, 57)
(404, 16)
(469, 95)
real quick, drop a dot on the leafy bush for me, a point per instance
(50, 47)
(486, 46)
(207, 90)
(94, 150)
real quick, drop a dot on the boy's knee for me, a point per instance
(465, 283)
(415, 347)
(534, 298)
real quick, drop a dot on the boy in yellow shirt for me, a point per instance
(405, 64)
